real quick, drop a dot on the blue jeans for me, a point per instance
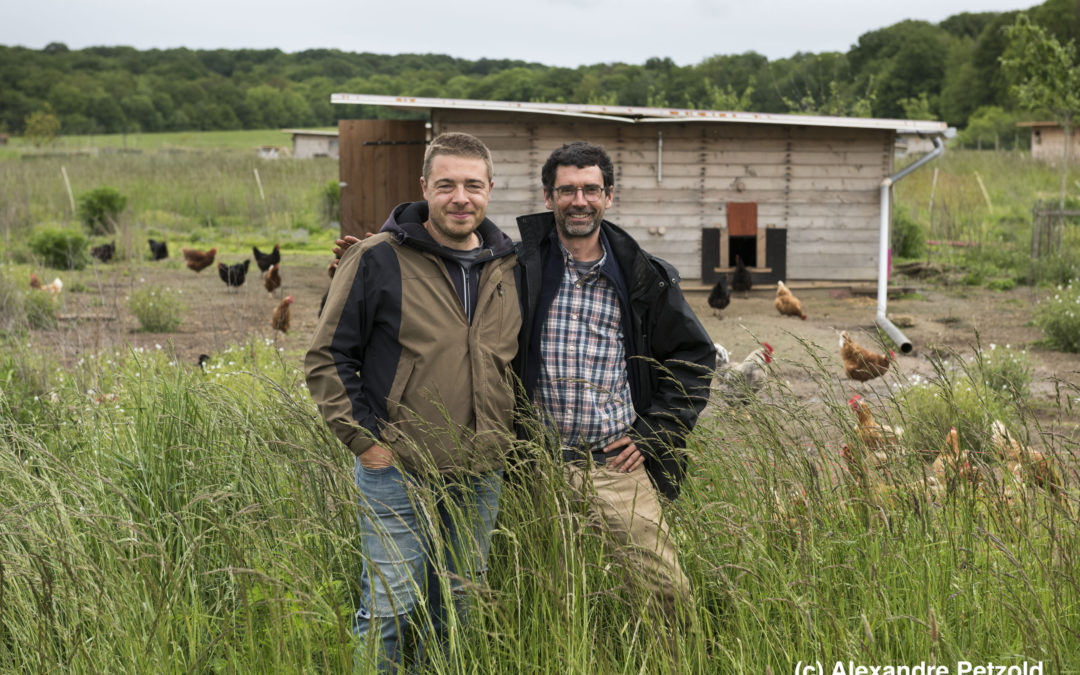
(421, 541)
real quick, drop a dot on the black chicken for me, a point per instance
(266, 260)
(720, 296)
(234, 275)
(158, 250)
(105, 252)
(741, 281)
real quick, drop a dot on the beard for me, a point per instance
(571, 227)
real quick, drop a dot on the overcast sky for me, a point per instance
(552, 32)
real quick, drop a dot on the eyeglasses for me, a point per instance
(592, 193)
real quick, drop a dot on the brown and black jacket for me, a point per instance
(396, 360)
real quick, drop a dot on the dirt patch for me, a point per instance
(941, 321)
(938, 321)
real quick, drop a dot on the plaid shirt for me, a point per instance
(583, 391)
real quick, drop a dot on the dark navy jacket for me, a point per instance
(670, 357)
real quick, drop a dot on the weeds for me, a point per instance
(158, 309)
(1059, 317)
(205, 520)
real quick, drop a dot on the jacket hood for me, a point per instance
(406, 223)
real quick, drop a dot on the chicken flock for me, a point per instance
(232, 275)
(877, 458)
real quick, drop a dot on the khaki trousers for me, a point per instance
(626, 509)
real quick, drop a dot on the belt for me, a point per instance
(582, 456)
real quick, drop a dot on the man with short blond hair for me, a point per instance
(410, 367)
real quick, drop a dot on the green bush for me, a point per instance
(99, 209)
(331, 200)
(40, 310)
(1004, 371)
(1059, 318)
(157, 309)
(61, 248)
(906, 235)
(956, 400)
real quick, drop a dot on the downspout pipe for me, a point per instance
(881, 319)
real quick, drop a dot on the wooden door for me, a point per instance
(379, 167)
(742, 219)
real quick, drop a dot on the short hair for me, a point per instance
(457, 144)
(581, 155)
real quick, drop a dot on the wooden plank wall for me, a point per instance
(1049, 146)
(820, 184)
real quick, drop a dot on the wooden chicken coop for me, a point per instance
(796, 197)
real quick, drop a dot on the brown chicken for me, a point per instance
(876, 437)
(878, 443)
(786, 303)
(861, 364)
(1024, 464)
(198, 260)
(34, 281)
(954, 465)
(282, 315)
(272, 278)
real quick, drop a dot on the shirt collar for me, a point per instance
(593, 269)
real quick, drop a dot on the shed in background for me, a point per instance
(797, 197)
(1048, 142)
(308, 143)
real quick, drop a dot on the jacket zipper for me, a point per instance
(465, 294)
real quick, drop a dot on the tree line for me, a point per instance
(913, 69)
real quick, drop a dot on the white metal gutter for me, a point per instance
(883, 248)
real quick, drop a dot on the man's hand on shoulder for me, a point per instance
(343, 245)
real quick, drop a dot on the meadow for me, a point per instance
(160, 517)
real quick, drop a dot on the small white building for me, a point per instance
(1048, 142)
(308, 143)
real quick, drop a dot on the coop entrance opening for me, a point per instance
(745, 247)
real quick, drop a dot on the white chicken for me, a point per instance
(738, 383)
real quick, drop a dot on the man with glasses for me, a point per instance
(615, 362)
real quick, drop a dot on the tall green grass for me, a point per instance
(996, 226)
(196, 198)
(155, 517)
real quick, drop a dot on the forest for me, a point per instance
(913, 69)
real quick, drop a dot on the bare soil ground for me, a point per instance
(944, 320)
(948, 322)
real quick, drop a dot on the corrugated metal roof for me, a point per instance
(633, 115)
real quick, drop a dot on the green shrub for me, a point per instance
(99, 209)
(1058, 269)
(1059, 318)
(157, 309)
(955, 400)
(61, 248)
(40, 308)
(906, 235)
(1001, 284)
(331, 200)
(1004, 371)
